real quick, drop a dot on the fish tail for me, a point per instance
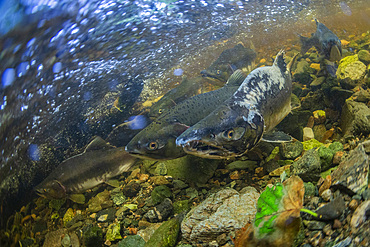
(280, 62)
(306, 44)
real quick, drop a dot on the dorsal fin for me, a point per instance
(97, 144)
(280, 62)
(236, 79)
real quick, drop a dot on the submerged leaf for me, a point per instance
(277, 220)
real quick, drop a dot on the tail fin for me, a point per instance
(280, 62)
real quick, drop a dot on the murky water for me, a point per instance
(66, 63)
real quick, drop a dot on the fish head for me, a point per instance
(51, 189)
(225, 133)
(157, 143)
(221, 72)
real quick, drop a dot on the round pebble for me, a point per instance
(326, 195)
(353, 204)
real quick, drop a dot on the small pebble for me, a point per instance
(353, 204)
(326, 195)
(235, 175)
(337, 157)
(327, 230)
(337, 224)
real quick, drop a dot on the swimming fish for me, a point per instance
(97, 164)
(325, 41)
(230, 60)
(238, 124)
(188, 87)
(157, 140)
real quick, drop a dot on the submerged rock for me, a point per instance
(161, 212)
(353, 172)
(364, 56)
(113, 232)
(54, 238)
(93, 236)
(290, 150)
(160, 193)
(355, 119)
(350, 67)
(222, 212)
(308, 167)
(100, 201)
(132, 241)
(360, 215)
(166, 235)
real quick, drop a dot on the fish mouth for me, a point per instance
(138, 154)
(206, 149)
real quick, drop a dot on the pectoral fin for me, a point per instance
(77, 198)
(113, 182)
(276, 137)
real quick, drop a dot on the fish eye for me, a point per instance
(230, 133)
(160, 111)
(153, 145)
(218, 72)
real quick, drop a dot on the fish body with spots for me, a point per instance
(237, 125)
(157, 140)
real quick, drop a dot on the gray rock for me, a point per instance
(308, 167)
(361, 214)
(353, 70)
(315, 225)
(161, 212)
(290, 150)
(160, 193)
(355, 118)
(148, 231)
(191, 193)
(106, 215)
(222, 212)
(364, 56)
(344, 243)
(178, 184)
(54, 238)
(132, 241)
(166, 235)
(332, 210)
(353, 172)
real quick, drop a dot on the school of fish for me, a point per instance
(220, 124)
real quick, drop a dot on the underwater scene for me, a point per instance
(164, 123)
